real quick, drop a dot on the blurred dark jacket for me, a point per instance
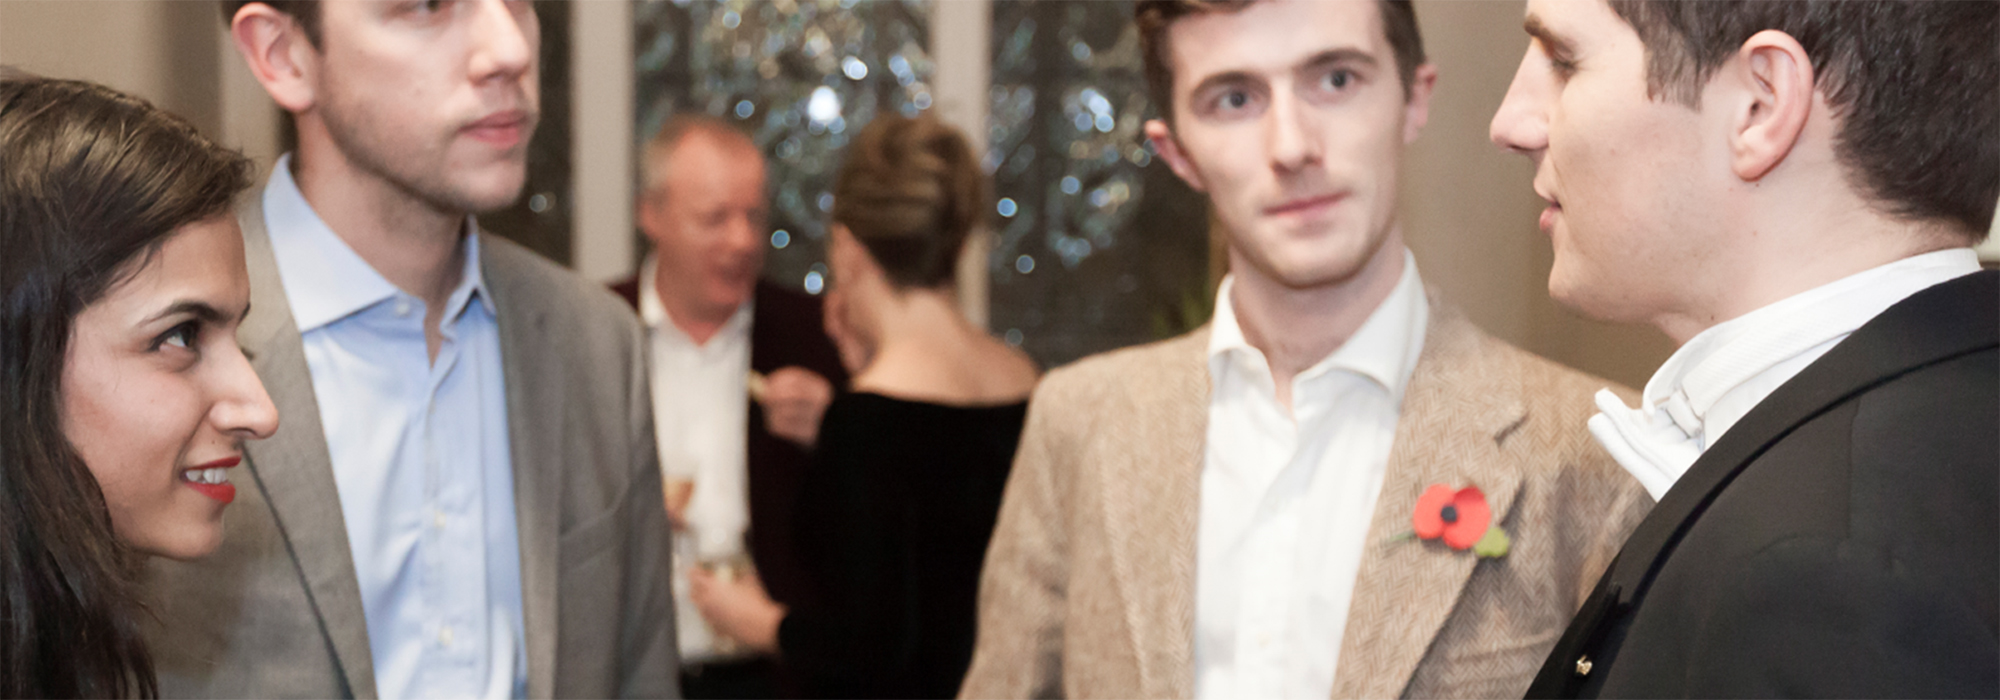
(787, 329)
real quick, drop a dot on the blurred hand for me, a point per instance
(737, 608)
(678, 492)
(854, 353)
(794, 399)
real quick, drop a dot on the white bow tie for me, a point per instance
(1656, 447)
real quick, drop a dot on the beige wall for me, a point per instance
(1469, 211)
(172, 52)
(162, 50)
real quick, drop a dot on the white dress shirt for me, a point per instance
(1286, 499)
(1723, 372)
(420, 458)
(701, 410)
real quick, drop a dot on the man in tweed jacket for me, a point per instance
(1230, 513)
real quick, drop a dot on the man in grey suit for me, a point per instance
(465, 497)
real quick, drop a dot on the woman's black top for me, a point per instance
(893, 522)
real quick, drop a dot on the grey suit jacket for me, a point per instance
(276, 612)
(1089, 587)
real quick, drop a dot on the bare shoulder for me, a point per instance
(1012, 373)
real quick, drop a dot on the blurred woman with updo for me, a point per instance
(910, 465)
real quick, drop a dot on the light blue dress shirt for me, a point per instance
(420, 457)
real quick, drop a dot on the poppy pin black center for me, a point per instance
(1449, 514)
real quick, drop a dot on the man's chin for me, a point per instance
(486, 195)
(1594, 300)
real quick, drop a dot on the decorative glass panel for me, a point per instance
(1099, 245)
(801, 76)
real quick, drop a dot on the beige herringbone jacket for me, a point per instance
(1089, 584)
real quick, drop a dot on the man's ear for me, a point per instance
(1162, 138)
(1417, 109)
(646, 212)
(279, 54)
(1770, 98)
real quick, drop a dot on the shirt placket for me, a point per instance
(452, 533)
(1271, 578)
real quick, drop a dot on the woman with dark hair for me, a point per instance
(123, 394)
(906, 483)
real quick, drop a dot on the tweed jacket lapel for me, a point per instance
(1152, 501)
(533, 397)
(1458, 412)
(293, 469)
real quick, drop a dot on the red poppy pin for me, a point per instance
(1461, 518)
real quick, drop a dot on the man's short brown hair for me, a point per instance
(1913, 81)
(304, 12)
(1399, 22)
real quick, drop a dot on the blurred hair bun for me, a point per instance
(910, 192)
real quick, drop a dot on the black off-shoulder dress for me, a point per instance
(893, 522)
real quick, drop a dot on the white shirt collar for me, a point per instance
(1707, 385)
(324, 279)
(654, 314)
(1383, 349)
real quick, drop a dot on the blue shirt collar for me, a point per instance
(324, 279)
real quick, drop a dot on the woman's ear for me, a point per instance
(849, 259)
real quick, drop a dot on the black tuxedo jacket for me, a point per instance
(1840, 541)
(787, 329)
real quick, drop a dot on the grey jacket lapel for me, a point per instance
(533, 397)
(293, 469)
(1454, 427)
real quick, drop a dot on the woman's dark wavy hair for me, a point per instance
(92, 182)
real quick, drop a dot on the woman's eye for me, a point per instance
(181, 336)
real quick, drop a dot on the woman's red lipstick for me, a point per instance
(210, 480)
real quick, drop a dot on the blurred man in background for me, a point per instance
(741, 372)
(1230, 513)
(463, 500)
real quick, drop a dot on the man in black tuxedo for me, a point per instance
(742, 370)
(1789, 189)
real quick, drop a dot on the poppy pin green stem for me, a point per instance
(1494, 544)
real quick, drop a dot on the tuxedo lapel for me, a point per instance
(1937, 324)
(1943, 322)
(293, 469)
(534, 398)
(1454, 428)
(1152, 503)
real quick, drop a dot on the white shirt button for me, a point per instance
(437, 519)
(402, 307)
(444, 636)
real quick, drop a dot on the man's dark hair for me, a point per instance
(1399, 22)
(304, 12)
(1913, 81)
